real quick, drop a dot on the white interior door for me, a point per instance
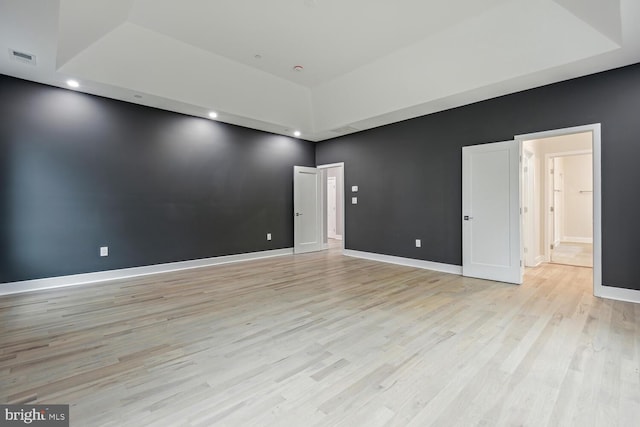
(331, 208)
(491, 212)
(307, 206)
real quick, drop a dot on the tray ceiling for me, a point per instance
(365, 63)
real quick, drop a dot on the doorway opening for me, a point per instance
(333, 205)
(558, 200)
(560, 184)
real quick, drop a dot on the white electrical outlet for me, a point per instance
(354, 200)
(268, 236)
(354, 188)
(104, 250)
(418, 243)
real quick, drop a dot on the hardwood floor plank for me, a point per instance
(325, 340)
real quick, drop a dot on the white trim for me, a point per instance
(125, 273)
(409, 262)
(595, 129)
(337, 237)
(539, 260)
(559, 132)
(573, 239)
(331, 165)
(619, 294)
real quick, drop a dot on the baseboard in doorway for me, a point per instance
(409, 262)
(125, 273)
(569, 239)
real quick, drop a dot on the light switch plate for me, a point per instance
(268, 236)
(418, 243)
(104, 250)
(354, 188)
(354, 200)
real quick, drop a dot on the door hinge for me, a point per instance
(526, 250)
(520, 263)
(551, 246)
(551, 209)
(551, 171)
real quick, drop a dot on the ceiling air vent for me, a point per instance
(27, 58)
(344, 129)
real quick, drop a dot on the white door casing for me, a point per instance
(307, 207)
(599, 289)
(491, 212)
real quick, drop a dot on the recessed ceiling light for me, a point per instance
(297, 133)
(257, 56)
(137, 96)
(213, 114)
(298, 68)
(73, 83)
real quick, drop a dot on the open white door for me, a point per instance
(307, 205)
(491, 212)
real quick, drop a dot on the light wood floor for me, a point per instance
(326, 340)
(578, 254)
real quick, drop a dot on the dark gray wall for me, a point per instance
(79, 172)
(409, 173)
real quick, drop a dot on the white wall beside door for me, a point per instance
(578, 200)
(557, 200)
(331, 207)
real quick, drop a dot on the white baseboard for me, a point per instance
(409, 262)
(619, 294)
(539, 260)
(571, 239)
(103, 276)
(338, 237)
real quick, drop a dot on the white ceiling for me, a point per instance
(366, 62)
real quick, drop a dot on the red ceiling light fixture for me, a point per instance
(298, 68)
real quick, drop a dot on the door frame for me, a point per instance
(595, 129)
(323, 168)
